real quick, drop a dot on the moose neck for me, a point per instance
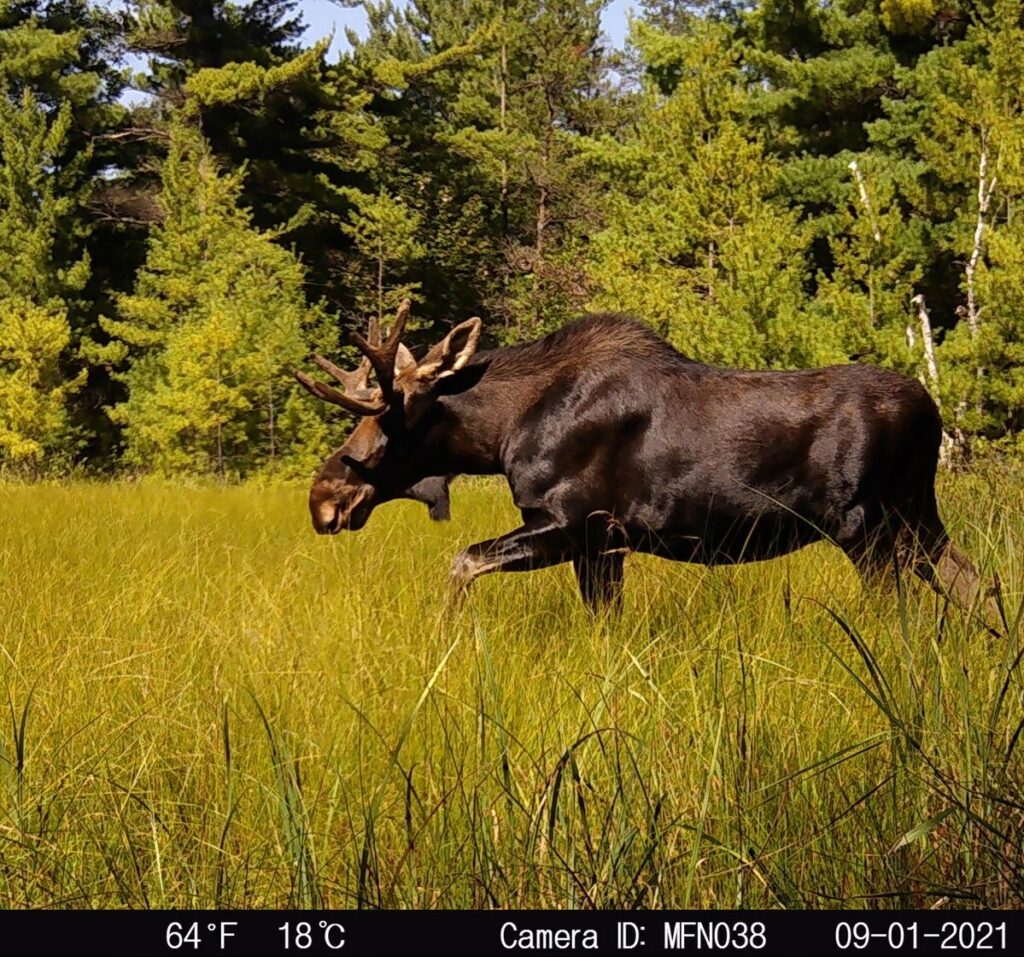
(466, 433)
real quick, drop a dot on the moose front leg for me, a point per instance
(529, 547)
(600, 579)
(599, 566)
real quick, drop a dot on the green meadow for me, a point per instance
(205, 704)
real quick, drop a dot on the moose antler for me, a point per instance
(358, 397)
(354, 382)
(329, 394)
(382, 357)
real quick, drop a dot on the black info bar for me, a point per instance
(361, 933)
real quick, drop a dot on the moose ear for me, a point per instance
(403, 359)
(452, 352)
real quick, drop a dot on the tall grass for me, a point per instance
(205, 704)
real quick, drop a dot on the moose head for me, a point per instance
(372, 466)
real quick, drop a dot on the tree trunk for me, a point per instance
(543, 192)
(380, 279)
(220, 429)
(711, 270)
(543, 213)
(863, 190)
(985, 188)
(947, 447)
(542, 221)
(503, 275)
(875, 233)
(931, 366)
(270, 421)
(503, 126)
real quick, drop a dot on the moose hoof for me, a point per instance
(464, 569)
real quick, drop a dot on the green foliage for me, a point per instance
(768, 184)
(486, 104)
(63, 51)
(952, 144)
(878, 261)
(34, 428)
(38, 195)
(236, 82)
(185, 37)
(908, 16)
(263, 103)
(212, 331)
(65, 54)
(696, 245)
(37, 201)
(383, 231)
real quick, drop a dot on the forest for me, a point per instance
(191, 200)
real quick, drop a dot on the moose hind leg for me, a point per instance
(947, 569)
(870, 545)
(534, 545)
(951, 572)
(600, 578)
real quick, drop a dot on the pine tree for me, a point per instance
(878, 258)
(484, 104)
(557, 95)
(183, 37)
(210, 335)
(972, 137)
(37, 201)
(383, 230)
(695, 245)
(65, 54)
(824, 72)
(942, 158)
(34, 430)
(826, 67)
(261, 101)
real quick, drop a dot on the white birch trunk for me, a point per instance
(863, 190)
(875, 233)
(946, 447)
(985, 188)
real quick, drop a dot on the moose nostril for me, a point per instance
(326, 520)
(327, 515)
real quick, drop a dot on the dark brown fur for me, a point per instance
(612, 441)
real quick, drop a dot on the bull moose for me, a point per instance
(612, 441)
